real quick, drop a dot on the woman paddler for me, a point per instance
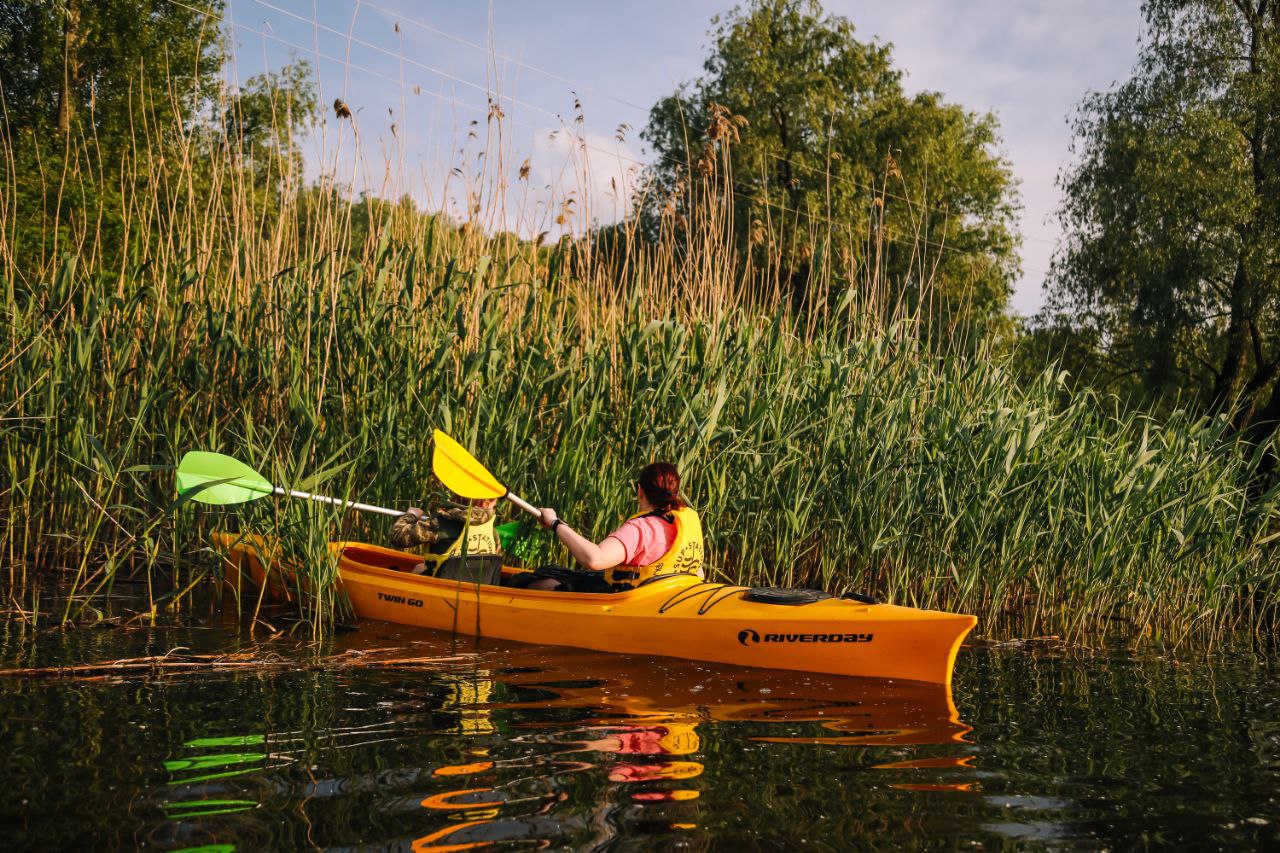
(663, 538)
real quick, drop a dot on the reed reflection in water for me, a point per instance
(508, 745)
(513, 747)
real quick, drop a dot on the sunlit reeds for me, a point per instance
(308, 331)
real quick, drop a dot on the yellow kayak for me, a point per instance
(679, 616)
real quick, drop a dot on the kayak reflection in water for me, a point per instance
(664, 537)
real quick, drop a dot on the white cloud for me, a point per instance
(1030, 62)
(587, 178)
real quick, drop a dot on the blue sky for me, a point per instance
(1029, 61)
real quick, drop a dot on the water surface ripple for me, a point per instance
(513, 747)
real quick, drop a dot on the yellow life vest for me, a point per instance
(480, 539)
(683, 557)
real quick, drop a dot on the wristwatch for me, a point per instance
(556, 523)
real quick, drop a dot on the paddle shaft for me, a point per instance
(293, 493)
(523, 504)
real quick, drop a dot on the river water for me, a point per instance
(513, 747)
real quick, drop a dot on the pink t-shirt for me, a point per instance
(645, 539)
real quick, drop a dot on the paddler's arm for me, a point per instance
(605, 555)
(415, 528)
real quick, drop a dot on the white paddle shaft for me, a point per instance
(523, 504)
(293, 493)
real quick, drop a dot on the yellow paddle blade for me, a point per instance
(460, 472)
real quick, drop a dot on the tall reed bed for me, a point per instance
(327, 336)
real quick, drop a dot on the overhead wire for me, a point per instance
(581, 86)
(402, 58)
(519, 63)
(734, 189)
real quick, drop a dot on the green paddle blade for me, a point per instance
(212, 478)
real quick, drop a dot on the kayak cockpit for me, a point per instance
(379, 558)
(484, 569)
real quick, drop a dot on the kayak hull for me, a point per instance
(680, 617)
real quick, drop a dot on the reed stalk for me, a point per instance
(322, 335)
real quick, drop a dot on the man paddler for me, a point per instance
(438, 535)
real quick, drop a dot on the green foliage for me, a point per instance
(816, 458)
(821, 147)
(111, 103)
(1172, 272)
(78, 80)
(72, 66)
(260, 132)
(321, 337)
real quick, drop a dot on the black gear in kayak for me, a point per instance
(788, 597)
(797, 597)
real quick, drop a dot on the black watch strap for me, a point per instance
(556, 523)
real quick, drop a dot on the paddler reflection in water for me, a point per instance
(438, 535)
(663, 538)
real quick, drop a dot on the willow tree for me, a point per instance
(1172, 268)
(827, 156)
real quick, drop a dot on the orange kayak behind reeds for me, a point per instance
(679, 616)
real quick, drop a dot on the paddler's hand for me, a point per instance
(547, 516)
(409, 532)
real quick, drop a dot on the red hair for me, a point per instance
(661, 486)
